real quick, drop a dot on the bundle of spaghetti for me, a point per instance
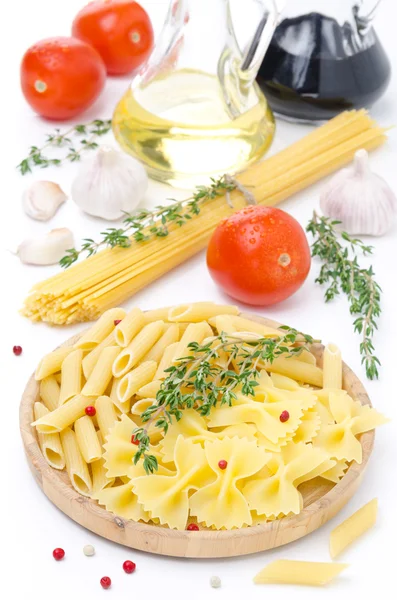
(84, 291)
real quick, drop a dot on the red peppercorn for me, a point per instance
(284, 416)
(17, 350)
(129, 566)
(90, 411)
(58, 553)
(116, 322)
(134, 441)
(222, 464)
(106, 582)
(192, 527)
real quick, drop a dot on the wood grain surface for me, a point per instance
(322, 500)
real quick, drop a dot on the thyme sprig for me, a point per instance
(196, 381)
(144, 225)
(75, 140)
(342, 273)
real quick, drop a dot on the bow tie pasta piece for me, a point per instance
(119, 450)
(351, 419)
(276, 495)
(336, 472)
(266, 417)
(122, 501)
(309, 426)
(194, 427)
(167, 497)
(221, 504)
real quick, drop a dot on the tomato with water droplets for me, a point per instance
(259, 255)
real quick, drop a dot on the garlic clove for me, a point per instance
(109, 184)
(42, 199)
(47, 249)
(362, 201)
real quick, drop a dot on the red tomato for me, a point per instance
(61, 77)
(120, 30)
(259, 255)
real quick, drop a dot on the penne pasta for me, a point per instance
(166, 361)
(170, 336)
(150, 389)
(223, 323)
(101, 375)
(299, 572)
(306, 356)
(137, 349)
(295, 369)
(135, 379)
(49, 392)
(100, 481)
(50, 443)
(52, 363)
(72, 376)
(347, 532)
(90, 360)
(102, 328)
(242, 324)
(159, 314)
(199, 311)
(332, 367)
(75, 464)
(141, 405)
(196, 332)
(64, 415)
(87, 439)
(129, 327)
(106, 415)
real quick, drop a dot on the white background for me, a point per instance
(30, 525)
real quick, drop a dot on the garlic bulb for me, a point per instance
(109, 184)
(42, 200)
(47, 249)
(363, 202)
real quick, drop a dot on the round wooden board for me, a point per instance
(322, 500)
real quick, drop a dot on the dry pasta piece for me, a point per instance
(137, 349)
(49, 443)
(102, 374)
(199, 311)
(158, 314)
(170, 336)
(72, 376)
(352, 528)
(309, 426)
(166, 361)
(299, 572)
(105, 414)
(132, 381)
(166, 497)
(276, 494)
(51, 363)
(129, 327)
(87, 439)
(195, 332)
(101, 329)
(336, 472)
(49, 392)
(296, 369)
(332, 367)
(150, 389)
(284, 383)
(100, 480)
(350, 419)
(64, 415)
(122, 501)
(114, 396)
(91, 359)
(220, 503)
(242, 324)
(76, 466)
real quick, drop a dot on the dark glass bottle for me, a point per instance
(315, 68)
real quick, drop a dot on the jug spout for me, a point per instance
(256, 50)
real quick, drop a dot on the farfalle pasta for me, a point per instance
(239, 464)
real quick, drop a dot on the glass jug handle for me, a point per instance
(364, 14)
(256, 51)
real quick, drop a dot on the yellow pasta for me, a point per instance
(64, 415)
(242, 324)
(129, 327)
(90, 360)
(166, 361)
(347, 532)
(100, 480)
(72, 376)
(295, 369)
(135, 379)
(49, 392)
(158, 314)
(150, 389)
(332, 367)
(87, 439)
(102, 373)
(199, 311)
(102, 328)
(49, 443)
(106, 415)
(137, 349)
(195, 332)
(299, 572)
(170, 336)
(52, 363)
(75, 464)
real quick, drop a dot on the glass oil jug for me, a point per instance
(324, 57)
(194, 110)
